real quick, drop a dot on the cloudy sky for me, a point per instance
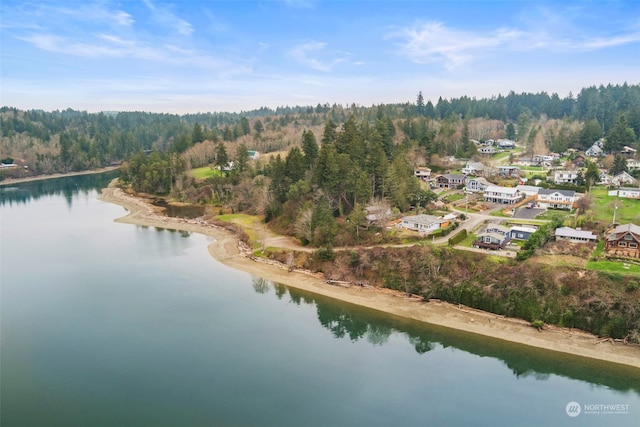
(191, 56)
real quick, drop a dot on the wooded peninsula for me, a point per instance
(525, 205)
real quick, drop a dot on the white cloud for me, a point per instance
(433, 42)
(310, 53)
(164, 16)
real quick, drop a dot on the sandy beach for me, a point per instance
(227, 250)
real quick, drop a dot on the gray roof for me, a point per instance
(422, 219)
(624, 228)
(546, 192)
(573, 233)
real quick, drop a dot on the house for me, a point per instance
(377, 213)
(623, 178)
(576, 236)
(488, 151)
(626, 192)
(556, 199)
(579, 161)
(450, 180)
(473, 168)
(628, 151)
(504, 195)
(565, 177)
(495, 236)
(522, 232)
(509, 171)
(604, 178)
(476, 185)
(499, 229)
(506, 144)
(253, 155)
(488, 142)
(633, 165)
(528, 190)
(421, 223)
(596, 150)
(525, 161)
(423, 173)
(624, 241)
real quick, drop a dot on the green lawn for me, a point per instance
(204, 172)
(454, 197)
(628, 209)
(619, 267)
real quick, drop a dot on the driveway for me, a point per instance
(523, 213)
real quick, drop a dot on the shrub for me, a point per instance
(458, 238)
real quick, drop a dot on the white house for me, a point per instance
(504, 195)
(556, 199)
(253, 155)
(633, 164)
(423, 173)
(528, 190)
(506, 144)
(422, 223)
(626, 192)
(489, 151)
(473, 168)
(576, 236)
(596, 150)
(477, 185)
(623, 178)
(565, 177)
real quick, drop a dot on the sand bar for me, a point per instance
(227, 250)
(10, 181)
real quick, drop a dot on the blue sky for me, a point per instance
(199, 56)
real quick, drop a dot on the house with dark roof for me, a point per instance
(494, 236)
(522, 232)
(450, 180)
(556, 199)
(624, 241)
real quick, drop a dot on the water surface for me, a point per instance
(107, 324)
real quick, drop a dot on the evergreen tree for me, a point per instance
(511, 132)
(619, 165)
(420, 104)
(197, 135)
(310, 148)
(222, 158)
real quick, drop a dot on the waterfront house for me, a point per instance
(596, 150)
(522, 232)
(624, 241)
(528, 190)
(504, 195)
(494, 236)
(422, 223)
(569, 234)
(556, 199)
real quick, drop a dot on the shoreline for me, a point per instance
(228, 250)
(11, 181)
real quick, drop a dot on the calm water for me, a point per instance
(106, 324)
